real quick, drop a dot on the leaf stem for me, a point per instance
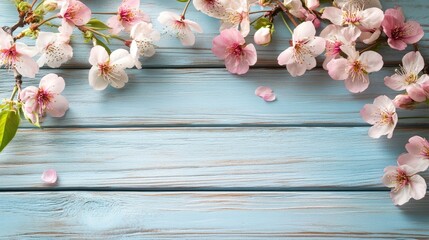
(43, 22)
(263, 11)
(287, 25)
(185, 9)
(118, 38)
(33, 3)
(284, 9)
(15, 90)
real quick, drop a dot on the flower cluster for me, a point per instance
(347, 33)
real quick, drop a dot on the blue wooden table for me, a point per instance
(186, 150)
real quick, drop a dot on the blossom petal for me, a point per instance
(49, 176)
(98, 55)
(58, 107)
(373, 61)
(265, 93)
(401, 196)
(358, 84)
(96, 81)
(52, 83)
(122, 58)
(333, 14)
(418, 187)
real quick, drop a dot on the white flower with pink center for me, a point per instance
(305, 47)
(55, 48)
(107, 69)
(129, 14)
(231, 46)
(237, 16)
(418, 154)
(180, 27)
(354, 70)
(408, 75)
(74, 12)
(382, 115)
(405, 183)
(336, 37)
(46, 99)
(17, 55)
(143, 36)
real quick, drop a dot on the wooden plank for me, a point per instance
(212, 96)
(210, 215)
(204, 158)
(172, 53)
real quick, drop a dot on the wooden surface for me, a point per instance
(187, 150)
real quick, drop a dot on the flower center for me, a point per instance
(401, 179)
(126, 15)
(236, 50)
(43, 99)
(9, 56)
(397, 33)
(411, 78)
(300, 50)
(104, 69)
(333, 48)
(351, 18)
(386, 118)
(425, 151)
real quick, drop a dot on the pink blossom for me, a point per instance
(144, 37)
(312, 4)
(419, 92)
(262, 36)
(364, 4)
(418, 154)
(295, 8)
(382, 115)
(265, 93)
(399, 32)
(404, 101)
(17, 55)
(74, 12)
(336, 37)
(408, 75)
(180, 27)
(49, 176)
(213, 8)
(107, 69)
(405, 183)
(354, 70)
(353, 16)
(55, 48)
(129, 14)
(231, 46)
(305, 47)
(46, 98)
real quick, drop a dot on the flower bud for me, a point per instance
(24, 6)
(50, 5)
(404, 101)
(263, 36)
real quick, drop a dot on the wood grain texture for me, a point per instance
(213, 96)
(210, 215)
(172, 53)
(206, 158)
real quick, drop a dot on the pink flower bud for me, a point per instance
(404, 101)
(263, 36)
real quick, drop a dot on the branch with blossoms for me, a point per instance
(348, 32)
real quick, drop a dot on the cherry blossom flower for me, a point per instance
(212, 8)
(46, 98)
(359, 3)
(107, 69)
(405, 183)
(262, 36)
(295, 8)
(17, 55)
(382, 115)
(305, 47)
(355, 17)
(231, 46)
(180, 27)
(354, 70)
(419, 92)
(336, 37)
(408, 75)
(74, 12)
(143, 36)
(49, 176)
(129, 14)
(265, 93)
(418, 154)
(399, 32)
(55, 48)
(237, 16)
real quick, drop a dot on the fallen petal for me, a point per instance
(265, 93)
(49, 176)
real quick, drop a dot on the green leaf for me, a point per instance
(99, 42)
(262, 22)
(182, 0)
(97, 24)
(9, 122)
